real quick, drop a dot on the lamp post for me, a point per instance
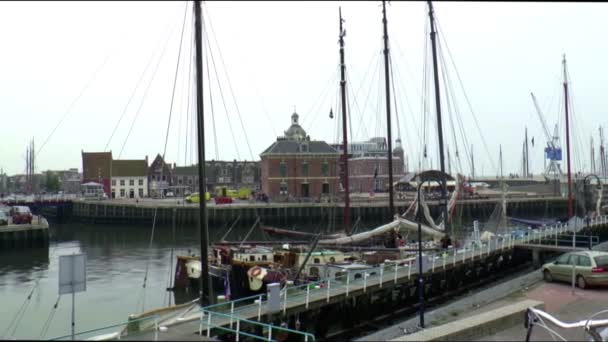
(599, 186)
(420, 276)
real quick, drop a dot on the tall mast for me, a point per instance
(347, 226)
(570, 211)
(500, 157)
(472, 163)
(391, 203)
(205, 287)
(592, 165)
(439, 127)
(527, 158)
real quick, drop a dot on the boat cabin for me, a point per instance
(354, 271)
(320, 258)
(254, 255)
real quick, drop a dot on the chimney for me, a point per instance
(146, 159)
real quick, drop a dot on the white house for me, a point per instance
(130, 178)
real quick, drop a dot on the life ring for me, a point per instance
(255, 271)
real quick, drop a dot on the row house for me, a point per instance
(296, 167)
(130, 178)
(230, 174)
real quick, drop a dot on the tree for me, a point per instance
(52, 182)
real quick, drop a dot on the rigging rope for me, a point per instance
(124, 111)
(217, 79)
(485, 144)
(217, 153)
(181, 107)
(316, 108)
(236, 106)
(142, 100)
(48, 321)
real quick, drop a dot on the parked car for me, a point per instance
(195, 198)
(590, 268)
(3, 218)
(21, 214)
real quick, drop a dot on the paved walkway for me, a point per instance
(561, 303)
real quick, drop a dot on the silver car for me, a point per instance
(590, 268)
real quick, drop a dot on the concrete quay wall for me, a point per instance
(282, 214)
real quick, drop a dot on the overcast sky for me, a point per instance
(74, 66)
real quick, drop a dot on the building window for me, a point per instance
(325, 169)
(325, 188)
(164, 178)
(283, 169)
(153, 177)
(122, 192)
(305, 169)
(179, 181)
(131, 182)
(113, 182)
(141, 182)
(283, 189)
(141, 192)
(122, 182)
(190, 181)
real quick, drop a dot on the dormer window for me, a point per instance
(304, 147)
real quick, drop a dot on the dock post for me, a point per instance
(238, 328)
(364, 282)
(433, 264)
(200, 324)
(347, 283)
(396, 266)
(260, 306)
(454, 263)
(156, 328)
(409, 270)
(307, 297)
(209, 325)
(328, 288)
(231, 313)
(285, 301)
(382, 269)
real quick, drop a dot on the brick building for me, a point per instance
(97, 167)
(368, 164)
(296, 167)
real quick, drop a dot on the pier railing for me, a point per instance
(255, 307)
(134, 328)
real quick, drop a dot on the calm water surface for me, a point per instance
(117, 258)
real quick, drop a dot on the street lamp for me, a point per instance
(599, 186)
(419, 218)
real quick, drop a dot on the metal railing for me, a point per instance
(536, 317)
(240, 324)
(133, 329)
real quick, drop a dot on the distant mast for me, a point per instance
(570, 211)
(347, 227)
(391, 202)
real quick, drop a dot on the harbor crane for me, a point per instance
(553, 150)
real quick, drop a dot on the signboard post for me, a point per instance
(72, 278)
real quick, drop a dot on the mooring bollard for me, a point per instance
(396, 266)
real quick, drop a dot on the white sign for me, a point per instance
(72, 273)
